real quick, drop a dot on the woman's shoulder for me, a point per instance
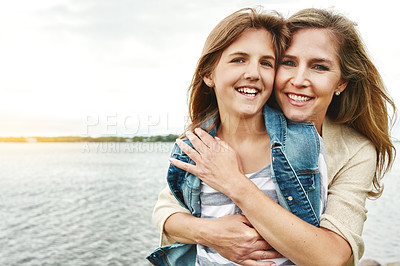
(342, 136)
(346, 148)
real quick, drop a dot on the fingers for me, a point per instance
(261, 257)
(205, 137)
(223, 143)
(252, 234)
(204, 142)
(245, 220)
(184, 166)
(265, 255)
(197, 143)
(192, 153)
(257, 263)
(261, 245)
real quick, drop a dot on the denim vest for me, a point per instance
(295, 150)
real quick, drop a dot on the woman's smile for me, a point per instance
(297, 98)
(308, 76)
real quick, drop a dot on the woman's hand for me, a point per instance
(231, 236)
(235, 239)
(216, 163)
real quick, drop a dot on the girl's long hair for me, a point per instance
(202, 100)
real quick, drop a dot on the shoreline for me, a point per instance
(372, 262)
(157, 138)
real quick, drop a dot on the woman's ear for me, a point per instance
(342, 85)
(208, 81)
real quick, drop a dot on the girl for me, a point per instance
(231, 85)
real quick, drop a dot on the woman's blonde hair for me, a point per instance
(363, 104)
(202, 100)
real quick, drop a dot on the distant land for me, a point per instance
(159, 138)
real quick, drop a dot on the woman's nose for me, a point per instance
(300, 78)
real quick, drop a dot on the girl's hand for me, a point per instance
(217, 164)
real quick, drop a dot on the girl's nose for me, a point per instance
(252, 72)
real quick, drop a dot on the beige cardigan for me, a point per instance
(351, 162)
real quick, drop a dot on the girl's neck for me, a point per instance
(239, 129)
(249, 138)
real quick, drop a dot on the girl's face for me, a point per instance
(243, 78)
(308, 76)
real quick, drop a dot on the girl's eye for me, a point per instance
(321, 67)
(288, 63)
(267, 63)
(238, 60)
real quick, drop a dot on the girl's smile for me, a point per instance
(243, 78)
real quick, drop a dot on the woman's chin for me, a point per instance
(296, 117)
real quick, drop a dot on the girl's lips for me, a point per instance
(248, 91)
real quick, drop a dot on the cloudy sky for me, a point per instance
(122, 67)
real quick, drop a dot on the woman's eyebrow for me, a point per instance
(314, 60)
(322, 60)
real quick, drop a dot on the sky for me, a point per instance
(122, 67)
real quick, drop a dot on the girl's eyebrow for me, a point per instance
(269, 57)
(238, 53)
(288, 56)
(246, 54)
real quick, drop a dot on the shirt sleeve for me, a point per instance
(166, 206)
(345, 212)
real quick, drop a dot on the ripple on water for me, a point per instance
(69, 207)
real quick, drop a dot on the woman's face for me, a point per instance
(244, 76)
(308, 76)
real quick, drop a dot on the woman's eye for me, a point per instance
(321, 67)
(288, 63)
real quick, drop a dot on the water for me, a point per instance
(90, 204)
(73, 204)
(382, 228)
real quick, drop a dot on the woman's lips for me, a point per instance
(298, 100)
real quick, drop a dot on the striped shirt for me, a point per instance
(216, 205)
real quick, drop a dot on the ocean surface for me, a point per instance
(91, 203)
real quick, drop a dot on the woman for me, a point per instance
(231, 85)
(352, 118)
